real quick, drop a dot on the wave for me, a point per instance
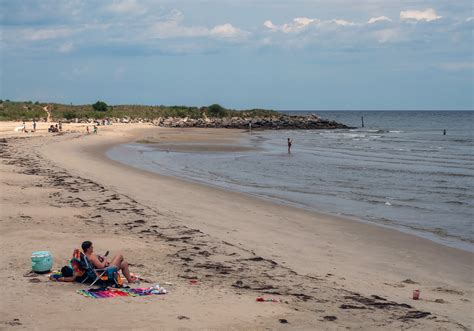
(455, 202)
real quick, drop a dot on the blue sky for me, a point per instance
(294, 54)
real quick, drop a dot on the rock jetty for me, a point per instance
(279, 122)
(282, 122)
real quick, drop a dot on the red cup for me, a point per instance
(416, 294)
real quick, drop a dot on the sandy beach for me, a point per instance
(326, 272)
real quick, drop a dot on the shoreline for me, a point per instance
(315, 262)
(431, 235)
(99, 152)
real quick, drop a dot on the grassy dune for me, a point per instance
(27, 110)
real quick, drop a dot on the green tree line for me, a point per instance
(28, 110)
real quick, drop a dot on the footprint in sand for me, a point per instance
(448, 290)
(409, 281)
(402, 283)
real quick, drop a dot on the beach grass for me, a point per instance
(27, 110)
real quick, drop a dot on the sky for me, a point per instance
(273, 54)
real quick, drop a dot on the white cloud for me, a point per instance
(268, 24)
(126, 6)
(173, 28)
(469, 19)
(299, 24)
(227, 31)
(374, 20)
(66, 47)
(427, 15)
(303, 21)
(343, 22)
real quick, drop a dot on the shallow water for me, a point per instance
(398, 171)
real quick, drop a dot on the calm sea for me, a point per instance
(398, 171)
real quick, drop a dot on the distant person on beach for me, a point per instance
(290, 142)
(95, 129)
(87, 129)
(60, 126)
(34, 125)
(23, 127)
(101, 262)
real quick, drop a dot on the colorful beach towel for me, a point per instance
(122, 292)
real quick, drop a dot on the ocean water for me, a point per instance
(398, 171)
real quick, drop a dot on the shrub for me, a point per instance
(69, 115)
(216, 110)
(100, 106)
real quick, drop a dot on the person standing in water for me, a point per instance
(290, 142)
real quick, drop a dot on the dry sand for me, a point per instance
(329, 272)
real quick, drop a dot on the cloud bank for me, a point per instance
(427, 15)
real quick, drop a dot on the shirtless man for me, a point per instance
(100, 262)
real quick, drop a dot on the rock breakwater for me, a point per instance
(283, 122)
(280, 122)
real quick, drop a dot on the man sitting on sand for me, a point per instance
(100, 262)
(68, 275)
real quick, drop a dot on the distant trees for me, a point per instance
(216, 110)
(100, 106)
(69, 115)
(17, 110)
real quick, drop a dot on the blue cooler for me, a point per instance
(41, 261)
